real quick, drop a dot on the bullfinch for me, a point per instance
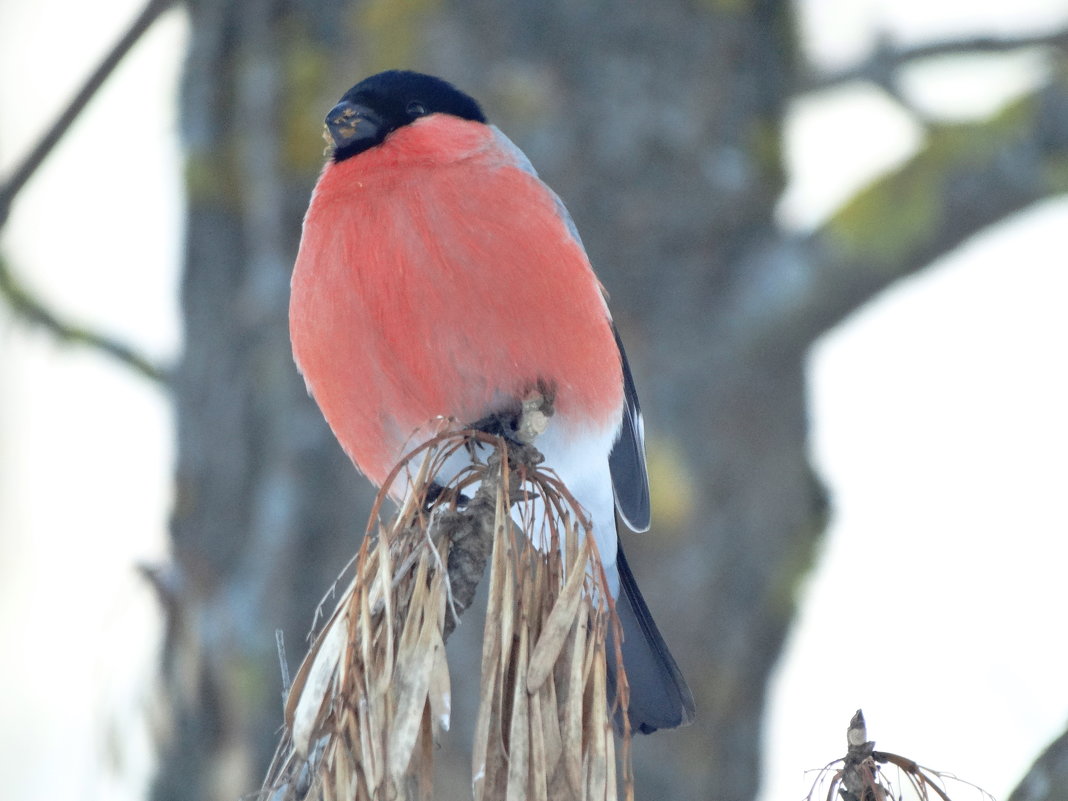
(438, 278)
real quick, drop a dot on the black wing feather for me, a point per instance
(659, 695)
(630, 476)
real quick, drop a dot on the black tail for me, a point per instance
(659, 696)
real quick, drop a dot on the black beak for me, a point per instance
(353, 127)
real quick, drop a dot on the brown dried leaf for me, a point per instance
(416, 656)
(558, 625)
(550, 726)
(310, 703)
(384, 584)
(597, 732)
(539, 767)
(492, 640)
(327, 788)
(440, 693)
(572, 711)
(341, 779)
(296, 689)
(519, 733)
(371, 699)
(370, 747)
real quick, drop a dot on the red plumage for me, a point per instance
(436, 277)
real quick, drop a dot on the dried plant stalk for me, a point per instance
(374, 692)
(859, 775)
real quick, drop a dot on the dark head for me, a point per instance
(379, 105)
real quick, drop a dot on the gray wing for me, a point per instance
(522, 162)
(630, 476)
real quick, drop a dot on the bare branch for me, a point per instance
(28, 166)
(882, 66)
(29, 308)
(22, 301)
(966, 178)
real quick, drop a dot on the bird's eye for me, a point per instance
(416, 109)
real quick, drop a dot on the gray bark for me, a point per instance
(660, 126)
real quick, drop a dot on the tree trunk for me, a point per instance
(660, 126)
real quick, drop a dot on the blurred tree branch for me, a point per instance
(51, 137)
(964, 179)
(31, 309)
(20, 299)
(882, 65)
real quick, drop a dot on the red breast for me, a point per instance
(436, 278)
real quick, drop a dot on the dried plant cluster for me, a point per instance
(373, 692)
(859, 776)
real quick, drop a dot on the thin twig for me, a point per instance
(21, 300)
(29, 308)
(28, 166)
(881, 66)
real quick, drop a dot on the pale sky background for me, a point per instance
(938, 421)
